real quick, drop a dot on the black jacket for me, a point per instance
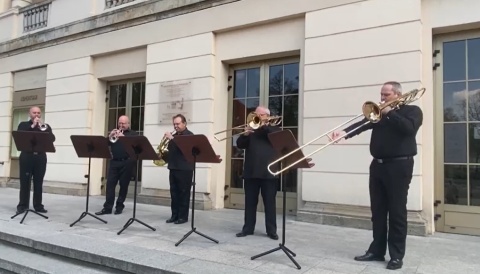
(394, 135)
(176, 159)
(259, 153)
(27, 126)
(117, 149)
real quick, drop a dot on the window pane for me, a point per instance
(455, 185)
(135, 119)
(275, 105)
(454, 65)
(252, 104)
(454, 95)
(474, 185)
(474, 142)
(290, 111)
(240, 80)
(474, 58)
(474, 100)
(142, 118)
(237, 173)
(113, 96)
(122, 96)
(276, 80)
(112, 119)
(291, 78)
(238, 115)
(455, 146)
(253, 82)
(137, 94)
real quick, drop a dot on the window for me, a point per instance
(21, 115)
(127, 98)
(274, 85)
(461, 121)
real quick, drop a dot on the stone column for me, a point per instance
(6, 90)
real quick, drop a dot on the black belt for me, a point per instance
(386, 160)
(120, 159)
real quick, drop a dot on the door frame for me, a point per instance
(236, 196)
(446, 214)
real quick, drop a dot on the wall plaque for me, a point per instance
(175, 98)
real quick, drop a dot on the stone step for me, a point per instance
(20, 259)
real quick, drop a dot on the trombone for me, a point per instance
(253, 121)
(371, 111)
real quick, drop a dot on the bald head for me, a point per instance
(261, 110)
(35, 112)
(123, 122)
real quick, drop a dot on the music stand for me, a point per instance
(284, 142)
(196, 149)
(138, 148)
(90, 147)
(32, 141)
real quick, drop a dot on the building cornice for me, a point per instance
(144, 12)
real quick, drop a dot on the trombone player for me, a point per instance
(120, 168)
(258, 153)
(393, 146)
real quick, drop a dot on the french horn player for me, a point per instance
(181, 171)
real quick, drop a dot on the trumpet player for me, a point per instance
(258, 153)
(120, 168)
(181, 173)
(393, 146)
(33, 164)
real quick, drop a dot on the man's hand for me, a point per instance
(335, 135)
(169, 135)
(386, 110)
(248, 130)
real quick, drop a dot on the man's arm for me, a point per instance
(409, 123)
(243, 141)
(359, 129)
(24, 126)
(49, 130)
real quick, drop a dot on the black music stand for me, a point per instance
(196, 149)
(90, 147)
(138, 148)
(284, 142)
(32, 141)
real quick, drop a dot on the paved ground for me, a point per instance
(319, 248)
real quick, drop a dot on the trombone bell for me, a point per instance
(253, 121)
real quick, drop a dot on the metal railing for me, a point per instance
(115, 3)
(35, 17)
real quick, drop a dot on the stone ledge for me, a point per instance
(141, 13)
(353, 217)
(73, 189)
(162, 197)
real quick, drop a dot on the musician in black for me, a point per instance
(120, 168)
(181, 173)
(393, 146)
(259, 152)
(33, 164)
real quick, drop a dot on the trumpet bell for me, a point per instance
(43, 127)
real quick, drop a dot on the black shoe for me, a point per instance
(171, 220)
(180, 221)
(118, 211)
(243, 234)
(272, 236)
(20, 211)
(369, 257)
(104, 211)
(395, 264)
(41, 210)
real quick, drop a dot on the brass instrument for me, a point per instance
(370, 110)
(114, 137)
(253, 121)
(162, 151)
(42, 126)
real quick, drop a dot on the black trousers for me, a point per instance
(31, 166)
(389, 184)
(180, 189)
(268, 189)
(118, 172)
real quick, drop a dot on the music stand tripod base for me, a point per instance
(26, 213)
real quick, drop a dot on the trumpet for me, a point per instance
(254, 122)
(114, 135)
(42, 126)
(371, 111)
(162, 151)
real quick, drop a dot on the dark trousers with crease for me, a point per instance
(31, 166)
(389, 184)
(180, 189)
(118, 172)
(268, 189)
